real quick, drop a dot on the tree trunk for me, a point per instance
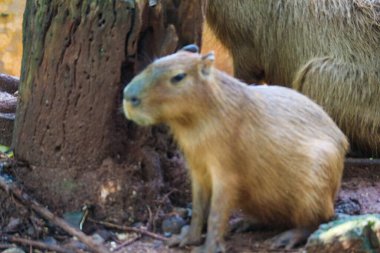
(69, 127)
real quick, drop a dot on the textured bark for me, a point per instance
(69, 128)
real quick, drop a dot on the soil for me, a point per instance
(359, 195)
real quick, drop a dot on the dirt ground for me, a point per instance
(359, 195)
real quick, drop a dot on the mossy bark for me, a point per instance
(77, 57)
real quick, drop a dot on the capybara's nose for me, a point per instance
(130, 97)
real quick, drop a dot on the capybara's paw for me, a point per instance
(243, 225)
(184, 238)
(175, 240)
(199, 249)
(210, 248)
(290, 239)
(190, 238)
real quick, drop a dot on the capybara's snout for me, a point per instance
(132, 94)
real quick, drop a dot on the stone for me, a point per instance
(347, 234)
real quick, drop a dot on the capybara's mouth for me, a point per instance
(135, 115)
(125, 109)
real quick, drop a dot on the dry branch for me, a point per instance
(130, 229)
(8, 103)
(9, 83)
(35, 244)
(11, 188)
(6, 246)
(127, 243)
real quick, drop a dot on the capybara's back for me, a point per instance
(327, 49)
(296, 145)
(270, 151)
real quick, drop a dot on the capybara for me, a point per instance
(328, 50)
(267, 150)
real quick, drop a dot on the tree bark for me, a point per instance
(77, 57)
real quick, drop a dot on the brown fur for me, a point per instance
(265, 149)
(326, 49)
(209, 43)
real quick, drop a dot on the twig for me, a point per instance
(29, 202)
(35, 244)
(126, 243)
(130, 229)
(9, 83)
(150, 219)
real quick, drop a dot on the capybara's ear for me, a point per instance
(192, 48)
(207, 63)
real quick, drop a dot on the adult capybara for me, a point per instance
(266, 150)
(327, 49)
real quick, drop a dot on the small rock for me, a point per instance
(348, 234)
(97, 238)
(31, 231)
(138, 225)
(173, 224)
(13, 225)
(105, 234)
(74, 218)
(125, 236)
(113, 245)
(348, 206)
(50, 240)
(13, 250)
(182, 212)
(74, 243)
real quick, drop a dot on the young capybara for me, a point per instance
(266, 150)
(328, 50)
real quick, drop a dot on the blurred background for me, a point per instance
(11, 13)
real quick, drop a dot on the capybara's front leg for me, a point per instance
(201, 193)
(217, 220)
(201, 205)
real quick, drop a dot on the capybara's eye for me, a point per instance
(177, 78)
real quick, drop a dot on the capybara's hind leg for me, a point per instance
(290, 239)
(246, 224)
